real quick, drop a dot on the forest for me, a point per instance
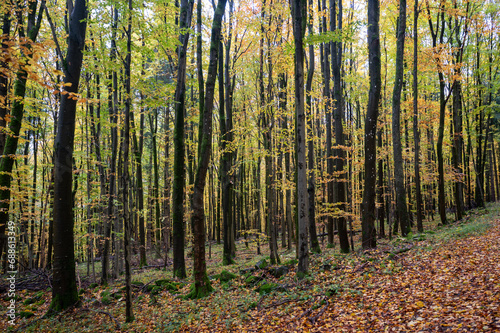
(158, 155)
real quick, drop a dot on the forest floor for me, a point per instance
(443, 280)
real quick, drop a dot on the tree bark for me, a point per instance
(368, 213)
(399, 182)
(416, 131)
(315, 248)
(201, 281)
(179, 269)
(299, 16)
(340, 191)
(64, 291)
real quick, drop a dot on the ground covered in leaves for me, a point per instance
(444, 280)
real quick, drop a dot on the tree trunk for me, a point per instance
(179, 269)
(125, 180)
(416, 131)
(299, 18)
(201, 281)
(113, 115)
(64, 291)
(368, 213)
(329, 156)
(340, 192)
(399, 182)
(315, 248)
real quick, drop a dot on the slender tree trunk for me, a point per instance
(380, 189)
(179, 172)
(202, 284)
(125, 181)
(315, 248)
(396, 124)
(299, 18)
(416, 131)
(368, 212)
(113, 115)
(340, 192)
(329, 156)
(225, 181)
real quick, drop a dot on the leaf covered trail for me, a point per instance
(451, 287)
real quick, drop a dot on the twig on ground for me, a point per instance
(106, 313)
(320, 313)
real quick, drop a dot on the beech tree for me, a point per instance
(186, 13)
(201, 282)
(368, 206)
(64, 291)
(299, 18)
(396, 123)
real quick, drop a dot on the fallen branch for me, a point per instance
(106, 313)
(320, 313)
(260, 302)
(401, 250)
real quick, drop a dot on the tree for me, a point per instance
(416, 131)
(64, 291)
(438, 30)
(186, 13)
(299, 15)
(399, 181)
(27, 36)
(201, 283)
(368, 213)
(125, 179)
(340, 193)
(310, 158)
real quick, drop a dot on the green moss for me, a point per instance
(26, 314)
(155, 290)
(251, 280)
(63, 301)
(29, 301)
(226, 276)
(166, 284)
(106, 300)
(199, 290)
(261, 264)
(266, 288)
